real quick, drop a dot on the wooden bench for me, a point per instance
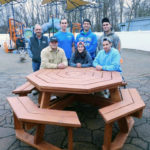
(25, 111)
(24, 89)
(131, 105)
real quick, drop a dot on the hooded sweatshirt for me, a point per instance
(114, 38)
(90, 41)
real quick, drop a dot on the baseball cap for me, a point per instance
(53, 39)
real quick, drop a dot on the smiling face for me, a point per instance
(54, 45)
(63, 25)
(86, 26)
(106, 27)
(107, 46)
(38, 30)
(80, 48)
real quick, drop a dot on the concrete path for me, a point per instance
(136, 68)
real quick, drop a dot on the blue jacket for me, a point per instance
(90, 41)
(35, 47)
(85, 62)
(109, 61)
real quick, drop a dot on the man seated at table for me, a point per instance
(53, 56)
(107, 59)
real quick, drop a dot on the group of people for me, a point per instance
(86, 50)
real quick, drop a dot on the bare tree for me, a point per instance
(121, 3)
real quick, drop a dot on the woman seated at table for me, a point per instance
(80, 58)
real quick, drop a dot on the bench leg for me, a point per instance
(45, 98)
(121, 137)
(17, 123)
(138, 114)
(107, 137)
(115, 95)
(39, 134)
(70, 139)
(39, 98)
(123, 125)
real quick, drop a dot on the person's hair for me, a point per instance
(63, 19)
(105, 20)
(37, 25)
(83, 54)
(107, 39)
(87, 20)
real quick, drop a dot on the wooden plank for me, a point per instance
(136, 97)
(27, 87)
(17, 106)
(107, 136)
(42, 116)
(94, 100)
(45, 98)
(123, 125)
(38, 138)
(17, 123)
(112, 113)
(29, 139)
(115, 95)
(126, 100)
(51, 80)
(59, 105)
(70, 139)
(121, 137)
(124, 111)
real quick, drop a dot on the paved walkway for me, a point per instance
(90, 135)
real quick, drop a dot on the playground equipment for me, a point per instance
(15, 31)
(76, 27)
(52, 26)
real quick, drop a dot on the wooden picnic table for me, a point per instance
(78, 81)
(81, 84)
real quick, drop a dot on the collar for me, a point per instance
(53, 50)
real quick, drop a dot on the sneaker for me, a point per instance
(35, 92)
(53, 97)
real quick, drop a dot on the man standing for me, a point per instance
(108, 59)
(53, 56)
(89, 38)
(65, 39)
(108, 33)
(36, 43)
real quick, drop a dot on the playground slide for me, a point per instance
(53, 23)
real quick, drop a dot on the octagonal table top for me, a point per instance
(74, 80)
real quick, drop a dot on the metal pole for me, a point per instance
(53, 24)
(56, 9)
(12, 9)
(81, 16)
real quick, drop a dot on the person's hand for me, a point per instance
(78, 65)
(61, 66)
(98, 68)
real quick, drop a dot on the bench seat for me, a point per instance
(25, 111)
(24, 89)
(131, 105)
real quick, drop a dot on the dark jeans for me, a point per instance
(35, 66)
